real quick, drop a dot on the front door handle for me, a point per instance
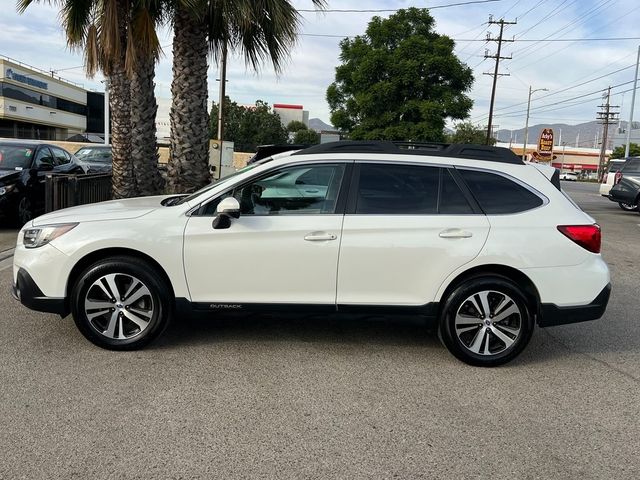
(455, 233)
(319, 237)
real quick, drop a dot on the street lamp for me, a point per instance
(526, 127)
(106, 111)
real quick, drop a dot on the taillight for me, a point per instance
(617, 178)
(588, 237)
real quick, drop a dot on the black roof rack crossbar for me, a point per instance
(456, 150)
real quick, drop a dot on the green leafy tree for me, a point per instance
(466, 132)
(295, 126)
(306, 136)
(249, 127)
(399, 81)
(634, 151)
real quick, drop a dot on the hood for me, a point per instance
(112, 210)
(8, 175)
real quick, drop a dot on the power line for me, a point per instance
(579, 19)
(554, 104)
(391, 10)
(567, 46)
(566, 89)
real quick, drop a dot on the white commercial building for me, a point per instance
(289, 113)
(37, 105)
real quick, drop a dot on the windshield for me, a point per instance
(615, 166)
(15, 157)
(99, 155)
(215, 184)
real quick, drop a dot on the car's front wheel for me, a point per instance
(627, 207)
(486, 321)
(121, 303)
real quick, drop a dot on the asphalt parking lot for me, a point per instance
(267, 397)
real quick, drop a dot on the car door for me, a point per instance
(63, 162)
(282, 250)
(407, 227)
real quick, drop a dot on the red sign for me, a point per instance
(545, 144)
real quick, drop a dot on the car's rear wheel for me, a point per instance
(627, 207)
(486, 321)
(121, 303)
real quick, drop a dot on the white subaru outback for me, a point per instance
(467, 236)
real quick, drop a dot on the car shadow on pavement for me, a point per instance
(319, 329)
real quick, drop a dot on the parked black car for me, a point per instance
(626, 188)
(24, 165)
(97, 158)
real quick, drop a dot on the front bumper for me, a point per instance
(29, 294)
(552, 315)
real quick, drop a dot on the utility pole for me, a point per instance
(497, 58)
(223, 85)
(633, 101)
(106, 112)
(526, 125)
(606, 117)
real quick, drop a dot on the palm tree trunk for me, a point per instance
(120, 106)
(188, 162)
(144, 149)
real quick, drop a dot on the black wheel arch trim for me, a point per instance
(552, 315)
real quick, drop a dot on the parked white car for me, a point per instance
(468, 236)
(569, 176)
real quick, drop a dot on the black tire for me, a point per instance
(24, 212)
(628, 207)
(159, 303)
(460, 342)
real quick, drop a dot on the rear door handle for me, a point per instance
(319, 237)
(455, 233)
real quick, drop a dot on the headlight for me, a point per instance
(6, 189)
(37, 237)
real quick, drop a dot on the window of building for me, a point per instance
(14, 92)
(497, 194)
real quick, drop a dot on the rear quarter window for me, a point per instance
(499, 195)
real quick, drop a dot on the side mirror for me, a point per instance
(226, 210)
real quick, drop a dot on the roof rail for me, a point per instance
(456, 150)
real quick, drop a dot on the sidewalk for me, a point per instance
(7, 239)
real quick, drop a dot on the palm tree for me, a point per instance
(118, 37)
(258, 30)
(144, 52)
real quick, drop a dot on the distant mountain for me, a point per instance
(584, 133)
(318, 125)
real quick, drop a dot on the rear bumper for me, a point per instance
(552, 315)
(27, 292)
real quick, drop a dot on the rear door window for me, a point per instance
(497, 194)
(398, 189)
(386, 189)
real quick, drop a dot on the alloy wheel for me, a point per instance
(488, 323)
(119, 306)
